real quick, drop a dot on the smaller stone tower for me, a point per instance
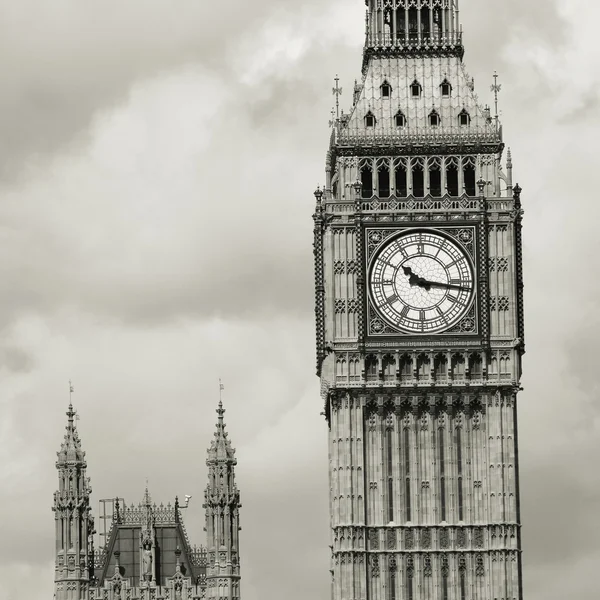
(222, 504)
(72, 515)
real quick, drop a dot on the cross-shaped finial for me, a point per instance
(337, 92)
(496, 87)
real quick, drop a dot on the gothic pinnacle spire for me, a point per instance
(74, 523)
(147, 498)
(220, 448)
(70, 449)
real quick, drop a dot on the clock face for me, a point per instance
(421, 282)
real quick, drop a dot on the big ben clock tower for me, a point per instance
(420, 323)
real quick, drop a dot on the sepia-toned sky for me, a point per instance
(157, 164)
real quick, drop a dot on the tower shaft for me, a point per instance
(419, 310)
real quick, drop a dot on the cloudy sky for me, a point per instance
(157, 163)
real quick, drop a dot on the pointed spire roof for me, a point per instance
(70, 449)
(220, 448)
(147, 497)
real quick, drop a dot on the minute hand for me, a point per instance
(449, 286)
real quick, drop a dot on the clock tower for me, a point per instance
(419, 313)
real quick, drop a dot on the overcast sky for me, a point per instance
(157, 164)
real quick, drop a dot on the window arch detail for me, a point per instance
(446, 88)
(416, 89)
(366, 178)
(370, 120)
(386, 89)
(464, 118)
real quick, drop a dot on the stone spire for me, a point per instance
(72, 514)
(222, 504)
(220, 448)
(70, 449)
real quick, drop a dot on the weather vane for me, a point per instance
(337, 92)
(221, 388)
(496, 87)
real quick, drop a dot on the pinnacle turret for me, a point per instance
(70, 449)
(222, 504)
(72, 514)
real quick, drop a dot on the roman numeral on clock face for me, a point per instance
(391, 299)
(405, 311)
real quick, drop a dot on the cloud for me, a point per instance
(148, 222)
(62, 63)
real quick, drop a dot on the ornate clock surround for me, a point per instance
(473, 326)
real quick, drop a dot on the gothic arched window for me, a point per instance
(370, 119)
(441, 367)
(452, 177)
(446, 88)
(425, 24)
(406, 369)
(383, 180)
(423, 367)
(469, 176)
(371, 367)
(464, 118)
(434, 118)
(412, 23)
(415, 89)
(386, 90)
(458, 367)
(418, 180)
(401, 180)
(476, 366)
(435, 178)
(400, 119)
(389, 367)
(366, 178)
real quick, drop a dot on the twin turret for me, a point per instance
(137, 553)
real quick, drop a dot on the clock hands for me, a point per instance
(421, 282)
(449, 286)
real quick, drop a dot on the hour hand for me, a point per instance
(413, 278)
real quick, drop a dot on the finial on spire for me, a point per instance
(71, 415)
(496, 87)
(332, 121)
(147, 498)
(220, 412)
(337, 92)
(71, 412)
